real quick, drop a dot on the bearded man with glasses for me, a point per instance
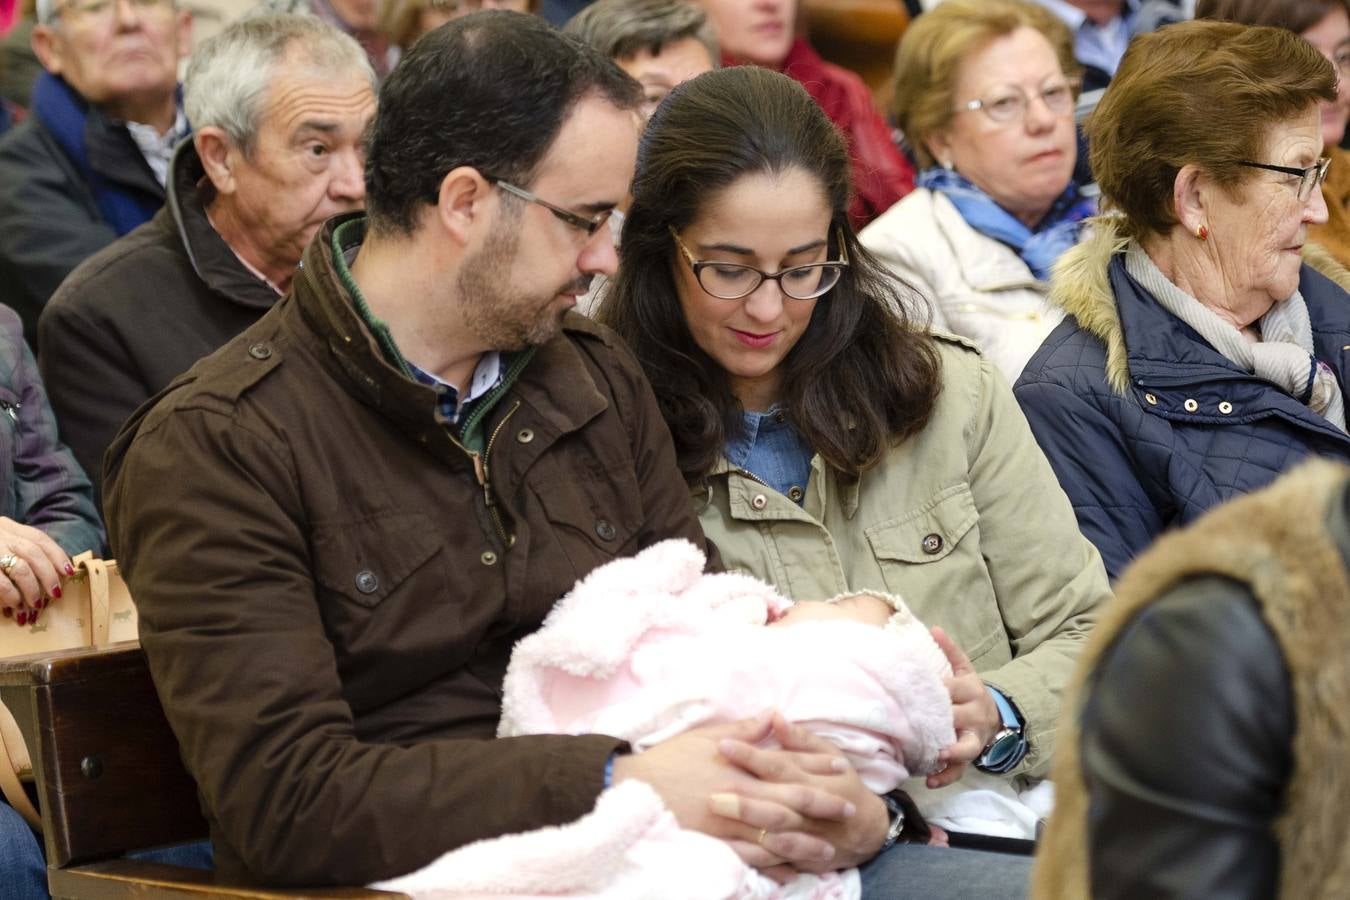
(390, 478)
(89, 163)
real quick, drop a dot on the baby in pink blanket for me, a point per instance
(649, 647)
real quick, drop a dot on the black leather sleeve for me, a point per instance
(1186, 750)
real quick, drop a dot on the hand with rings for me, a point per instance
(31, 566)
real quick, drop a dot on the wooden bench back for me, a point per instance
(108, 770)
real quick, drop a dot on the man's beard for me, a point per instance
(498, 315)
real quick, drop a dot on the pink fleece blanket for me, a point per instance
(648, 647)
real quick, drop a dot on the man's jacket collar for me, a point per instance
(556, 384)
(212, 259)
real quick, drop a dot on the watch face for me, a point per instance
(1000, 750)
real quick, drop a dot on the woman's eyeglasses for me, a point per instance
(732, 281)
(1309, 178)
(1009, 103)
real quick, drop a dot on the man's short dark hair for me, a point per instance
(489, 90)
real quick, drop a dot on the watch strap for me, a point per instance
(898, 817)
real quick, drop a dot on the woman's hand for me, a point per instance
(974, 714)
(31, 565)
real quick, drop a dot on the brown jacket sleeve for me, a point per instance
(218, 557)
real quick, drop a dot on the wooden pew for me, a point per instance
(110, 780)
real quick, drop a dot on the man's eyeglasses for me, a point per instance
(732, 281)
(1009, 103)
(1309, 178)
(102, 9)
(590, 225)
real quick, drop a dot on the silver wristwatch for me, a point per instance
(897, 822)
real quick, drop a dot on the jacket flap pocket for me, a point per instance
(604, 509)
(367, 559)
(928, 532)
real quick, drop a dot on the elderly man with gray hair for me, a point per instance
(88, 165)
(280, 105)
(659, 43)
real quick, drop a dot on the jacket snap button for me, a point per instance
(525, 435)
(780, 417)
(1152, 400)
(488, 558)
(367, 582)
(1191, 405)
(260, 351)
(795, 494)
(605, 530)
(932, 544)
(759, 501)
(1225, 407)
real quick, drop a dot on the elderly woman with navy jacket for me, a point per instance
(1205, 346)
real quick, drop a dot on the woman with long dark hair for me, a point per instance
(831, 444)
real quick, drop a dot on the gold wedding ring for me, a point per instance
(7, 562)
(763, 832)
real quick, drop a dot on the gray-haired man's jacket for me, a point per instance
(140, 312)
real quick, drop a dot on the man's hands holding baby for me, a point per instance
(799, 808)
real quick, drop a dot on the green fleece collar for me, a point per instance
(346, 236)
(350, 234)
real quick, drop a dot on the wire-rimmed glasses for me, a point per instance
(1309, 178)
(588, 224)
(732, 281)
(1009, 103)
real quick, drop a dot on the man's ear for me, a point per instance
(219, 157)
(47, 45)
(1190, 192)
(461, 203)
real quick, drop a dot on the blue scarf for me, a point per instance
(1039, 249)
(64, 113)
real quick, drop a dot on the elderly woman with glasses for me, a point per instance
(831, 444)
(1207, 342)
(984, 90)
(1326, 25)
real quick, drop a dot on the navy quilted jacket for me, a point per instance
(1183, 429)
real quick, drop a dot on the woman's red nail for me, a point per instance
(70, 570)
(56, 592)
(22, 618)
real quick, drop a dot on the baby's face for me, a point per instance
(866, 608)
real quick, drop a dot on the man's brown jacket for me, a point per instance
(330, 585)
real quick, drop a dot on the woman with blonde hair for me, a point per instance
(1204, 350)
(984, 91)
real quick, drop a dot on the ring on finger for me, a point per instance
(7, 562)
(763, 833)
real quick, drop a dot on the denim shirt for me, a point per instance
(772, 450)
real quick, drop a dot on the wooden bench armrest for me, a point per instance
(71, 665)
(125, 879)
